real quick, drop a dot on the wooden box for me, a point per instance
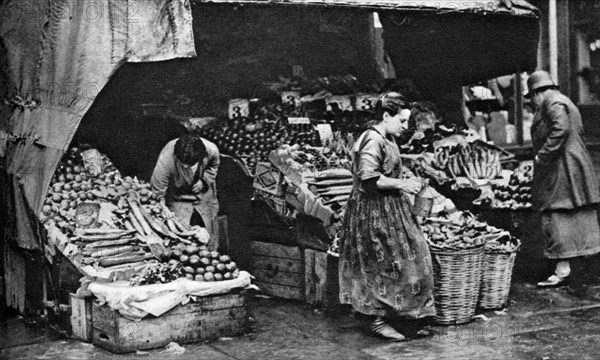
(278, 269)
(207, 318)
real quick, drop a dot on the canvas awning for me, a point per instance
(55, 57)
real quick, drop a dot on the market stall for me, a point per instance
(288, 84)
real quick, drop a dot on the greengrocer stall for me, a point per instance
(287, 85)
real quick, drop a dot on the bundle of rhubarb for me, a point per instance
(110, 247)
(461, 230)
(333, 186)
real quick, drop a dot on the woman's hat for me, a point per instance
(539, 80)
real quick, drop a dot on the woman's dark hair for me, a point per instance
(190, 149)
(392, 103)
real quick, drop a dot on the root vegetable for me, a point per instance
(136, 225)
(136, 210)
(98, 244)
(110, 251)
(125, 259)
(114, 236)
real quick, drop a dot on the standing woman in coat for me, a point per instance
(565, 187)
(385, 265)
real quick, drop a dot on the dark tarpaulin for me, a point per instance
(431, 40)
(55, 57)
(464, 46)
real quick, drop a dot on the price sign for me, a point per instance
(291, 98)
(298, 120)
(341, 101)
(239, 108)
(365, 102)
(325, 132)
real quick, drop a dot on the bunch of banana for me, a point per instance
(475, 162)
(442, 155)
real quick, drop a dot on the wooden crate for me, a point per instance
(278, 269)
(208, 318)
(321, 279)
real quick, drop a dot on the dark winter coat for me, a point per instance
(564, 175)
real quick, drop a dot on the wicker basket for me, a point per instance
(497, 274)
(457, 281)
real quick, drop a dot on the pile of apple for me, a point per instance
(253, 140)
(200, 264)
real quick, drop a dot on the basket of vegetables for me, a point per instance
(498, 262)
(457, 254)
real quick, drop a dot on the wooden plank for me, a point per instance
(222, 233)
(275, 250)
(210, 303)
(14, 277)
(81, 317)
(320, 277)
(281, 291)
(315, 278)
(279, 278)
(276, 264)
(209, 318)
(309, 285)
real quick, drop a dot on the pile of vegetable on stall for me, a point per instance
(113, 221)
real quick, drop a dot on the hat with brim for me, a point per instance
(538, 81)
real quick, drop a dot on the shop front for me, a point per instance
(282, 89)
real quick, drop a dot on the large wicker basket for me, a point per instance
(457, 281)
(496, 279)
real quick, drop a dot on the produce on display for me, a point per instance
(461, 230)
(251, 140)
(200, 264)
(473, 160)
(113, 220)
(341, 102)
(504, 243)
(516, 194)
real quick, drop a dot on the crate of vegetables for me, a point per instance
(498, 262)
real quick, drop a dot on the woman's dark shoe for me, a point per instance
(385, 330)
(554, 281)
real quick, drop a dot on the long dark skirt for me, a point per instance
(385, 265)
(571, 233)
